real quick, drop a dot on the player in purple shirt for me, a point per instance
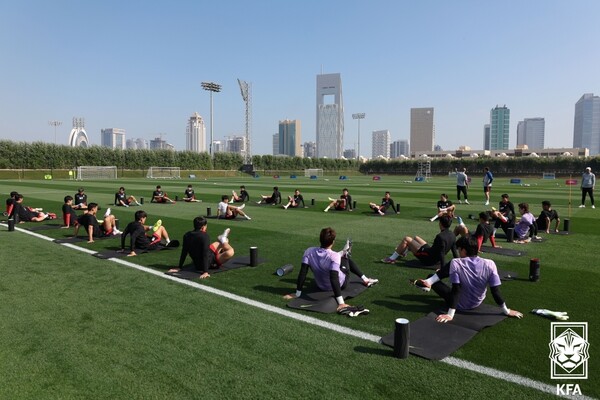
(470, 276)
(526, 223)
(331, 269)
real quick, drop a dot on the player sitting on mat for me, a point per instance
(295, 200)
(504, 216)
(546, 217)
(204, 254)
(344, 203)
(331, 270)
(483, 232)
(444, 207)
(29, 214)
(190, 196)
(122, 200)
(428, 255)
(80, 199)
(242, 197)
(273, 199)
(138, 230)
(10, 203)
(226, 211)
(386, 203)
(69, 215)
(158, 196)
(469, 275)
(91, 225)
(526, 226)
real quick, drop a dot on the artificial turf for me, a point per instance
(74, 323)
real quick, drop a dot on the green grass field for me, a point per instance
(74, 326)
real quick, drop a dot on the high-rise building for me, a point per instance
(310, 149)
(113, 138)
(586, 130)
(422, 131)
(380, 145)
(195, 134)
(236, 144)
(349, 154)
(399, 148)
(218, 146)
(78, 136)
(290, 138)
(530, 132)
(159, 143)
(499, 128)
(486, 137)
(330, 116)
(276, 144)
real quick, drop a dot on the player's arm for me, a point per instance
(299, 283)
(90, 232)
(454, 296)
(500, 301)
(334, 279)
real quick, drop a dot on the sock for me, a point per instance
(460, 221)
(394, 256)
(434, 218)
(494, 232)
(168, 241)
(327, 209)
(364, 278)
(432, 279)
(405, 252)
(247, 217)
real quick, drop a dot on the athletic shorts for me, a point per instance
(423, 255)
(213, 256)
(487, 189)
(102, 233)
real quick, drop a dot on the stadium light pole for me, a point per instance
(212, 88)
(358, 116)
(55, 124)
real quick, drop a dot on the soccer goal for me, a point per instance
(87, 172)
(549, 175)
(164, 173)
(313, 172)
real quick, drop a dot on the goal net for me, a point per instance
(86, 172)
(164, 173)
(313, 172)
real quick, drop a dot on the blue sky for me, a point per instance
(138, 65)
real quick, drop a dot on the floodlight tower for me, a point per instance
(246, 90)
(358, 116)
(55, 124)
(212, 88)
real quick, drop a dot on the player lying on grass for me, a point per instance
(331, 269)
(273, 199)
(483, 232)
(386, 203)
(121, 199)
(137, 229)
(295, 200)
(189, 195)
(91, 225)
(469, 275)
(428, 255)
(242, 197)
(444, 207)
(344, 203)
(29, 214)
(227, 211)
(204, 254)
(158, 196)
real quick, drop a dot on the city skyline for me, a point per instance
(55, 72)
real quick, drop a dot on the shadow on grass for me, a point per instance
(273, 290)
(385, 352)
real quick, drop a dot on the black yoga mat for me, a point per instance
(323, 301)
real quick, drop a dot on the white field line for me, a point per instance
(456, 362)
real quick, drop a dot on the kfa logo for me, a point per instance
(569, 350)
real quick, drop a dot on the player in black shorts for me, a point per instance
(80, 200)
(428, 255)
(386, 203)
(28, 214)
(444, 207)
(189, 195)
(483, 233)
(344, 203)
(137, 229)
(273, 199)
(547, 216)
(204, 254)
(10, 204)
(69, 215)
(92, 227)
(122, 200)
(158, 196)
(242, 197)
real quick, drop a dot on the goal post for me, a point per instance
(313, 172)
(164, 173)
(87, 172)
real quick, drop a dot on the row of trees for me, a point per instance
(38, 155)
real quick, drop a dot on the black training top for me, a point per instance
(442, 244)
(139, 240)
(80, 198)
(87, 220)
(196, 244)
(189, 193)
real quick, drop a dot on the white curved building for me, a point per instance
(78, 136)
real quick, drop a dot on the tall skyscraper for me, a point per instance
(380, 144)
(486, 137)
(195, 134)
(530, 132)
(422, 132)
(159, 143)
(310, 149)
(113, 138)
(499, 128)
(330, 116)
(276, 144)
(399, 148)
(586, 130)
(290, 138)
(236, 144)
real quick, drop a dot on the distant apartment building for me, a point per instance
(290, 138)
(159, 144)
(235, 144)
(349, 154)
(310, 149)
(195, 134)
(330, 116)
(276, 144)
(586, 129)
(138, 144)
(530, 133)
(113, 138)
(380, 144)
(399, 148)
(422, 131)
(499, 128)
(218, 146)
(486, 137)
